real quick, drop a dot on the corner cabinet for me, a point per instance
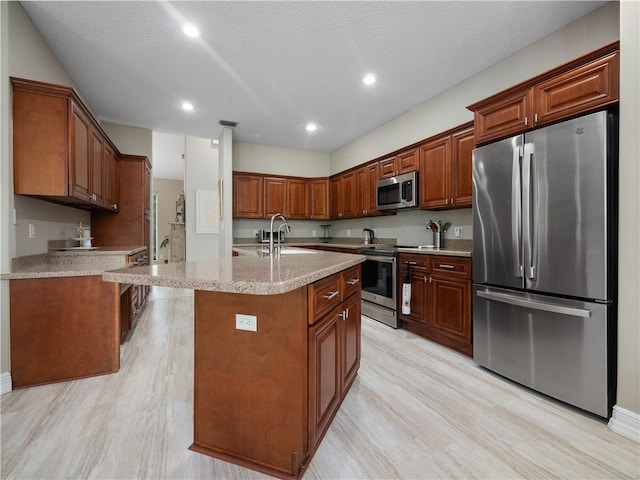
(60, 152)
(582, 85)
(440, 299)
(271, 417)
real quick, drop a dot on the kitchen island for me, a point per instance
(277, 346)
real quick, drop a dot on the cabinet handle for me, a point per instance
(526, 120)
(353, 281)
(344, 314)
(115, 206)
(430, 279)
(425, 279)
(535, 118)
(444, 265)
(331, 295)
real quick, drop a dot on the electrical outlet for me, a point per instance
(32, 230)
(246, 322)
(457, 231)
(313, 233)
(348, 233)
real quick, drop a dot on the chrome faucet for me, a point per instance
(286, 226)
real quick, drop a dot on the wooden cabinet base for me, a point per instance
(465, 348)
(63, 329)
(258, 391)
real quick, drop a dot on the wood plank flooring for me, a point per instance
(415, 411)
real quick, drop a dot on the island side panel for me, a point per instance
(250, 404)
(62, 329)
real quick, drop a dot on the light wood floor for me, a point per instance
(416, 411)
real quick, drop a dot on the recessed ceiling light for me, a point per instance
(311, 127)
(187, 106)
(191, 31)
(369, 79)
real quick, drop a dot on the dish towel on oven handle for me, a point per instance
(406, 291)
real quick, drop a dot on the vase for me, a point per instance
(438, 240)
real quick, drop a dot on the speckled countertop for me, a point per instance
(70, 263)
(249, 273)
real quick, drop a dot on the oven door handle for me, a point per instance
(381, 259)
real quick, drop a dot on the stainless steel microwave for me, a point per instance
(397, 192)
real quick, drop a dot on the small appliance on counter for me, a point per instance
(326, 236)
(368, 236)
(263, 236)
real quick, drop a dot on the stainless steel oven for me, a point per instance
(379, 282)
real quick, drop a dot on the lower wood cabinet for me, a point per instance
(440, 299)
(63, 328)
(334, 359)
(264, 399)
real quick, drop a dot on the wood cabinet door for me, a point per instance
(508, 116)
(247, 196)
(297, 199)
(435, 174)
(110, 178)
(324, 375)
(349, 195)
(275, 196)
(335, 197)
(319, 202)
(350, 341)
(407, 161)
(450, 307)
(362, 192)
(387, 167)
(462, 177)
(372, 178)
(97, 167)
(79, 156)
(581, 89)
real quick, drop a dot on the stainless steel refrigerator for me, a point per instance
(544, 260)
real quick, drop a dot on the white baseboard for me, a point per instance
(626, 423)
(5, 383)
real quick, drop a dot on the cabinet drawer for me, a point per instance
(417, 261)
(460, 267)
(324, 295)
(351, 281)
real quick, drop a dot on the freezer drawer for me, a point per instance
(556, 346)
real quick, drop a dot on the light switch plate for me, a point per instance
(246, 322)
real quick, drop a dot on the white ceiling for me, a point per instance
(274, 66)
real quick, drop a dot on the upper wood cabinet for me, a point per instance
(257, 195)
(403, 162)
(58, 147)
(110, 178)
(445, 169)
(319, 199)
(131, 226)
(584, 84)
(366, 178)
(343, 195)
(248, 196)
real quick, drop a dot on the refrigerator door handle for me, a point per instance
(522, 302)
(516, 212)
(527, 217)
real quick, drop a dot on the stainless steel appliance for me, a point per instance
(544, 260)
(263, 236)
(368, 236)
(397, 192)
(379, 280)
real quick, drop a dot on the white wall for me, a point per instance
(249, 157)
(629, 265)
(200, 173)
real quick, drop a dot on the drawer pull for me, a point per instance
(444, 265)
(353, 281)
(331, 295)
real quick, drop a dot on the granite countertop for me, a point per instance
(437, 251)
(250, 273)
(70, 263)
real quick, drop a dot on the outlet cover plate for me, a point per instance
(246, 322)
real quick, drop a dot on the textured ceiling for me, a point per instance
(274, 66)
